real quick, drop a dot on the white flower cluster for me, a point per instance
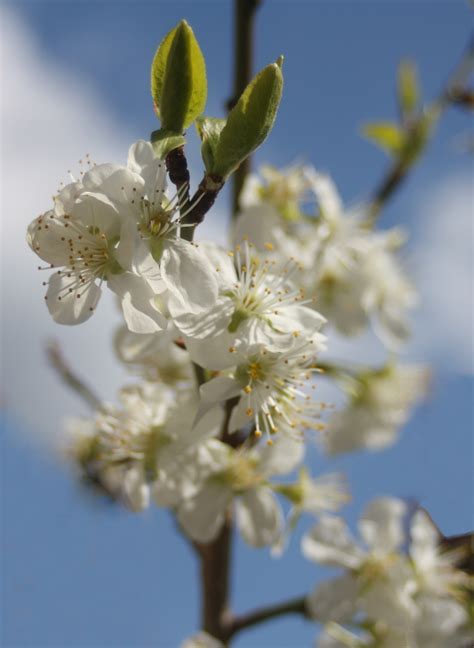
(395, 590)
(225, 349)
(352, 271)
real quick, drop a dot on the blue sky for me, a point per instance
(78, 572)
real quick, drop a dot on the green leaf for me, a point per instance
(158, 68)
(250, 121)
(386, 135)
(179, 84)
(209, 130)
(408, 89)
(164, 141)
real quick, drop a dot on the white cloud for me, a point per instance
(49, 121)
(443, 272)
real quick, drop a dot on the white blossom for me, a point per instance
(241, 474)
(257, 304)
(397, 601)
(380, 403)
(149, 444)
(270, 387)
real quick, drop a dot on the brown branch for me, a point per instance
(260, 615)
(69, 377)
(244, 21)
(215, 557)
(201, 203)
(177, 167)
(215, 582)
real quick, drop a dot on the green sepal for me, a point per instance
(408, 91)
(386, 135)
(209, 130)
(250, 121)
(163, 141)
(178, 79)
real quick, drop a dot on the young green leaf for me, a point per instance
(158, 68)
(408, 90)
(209, 130)
(250, 121)
(164, 141)
(179, 84)
(386, 135)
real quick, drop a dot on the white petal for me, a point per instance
(212, 323)
(71, 307)
(96, 210)
(138, 303)
(202, 640)
(202, 516)
(330, 543)
(140, 155)
(45, 237)
(219, 389)
(334, 600)
(188, 275)
(212, 353)
(258, 224)
(283, 456)
(137, 492)
(114, 181)
(221, 262)
(133, 254)
(382, 525)
(259, 517)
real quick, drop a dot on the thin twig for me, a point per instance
(452, 93)
(69, 377)
(260, 615)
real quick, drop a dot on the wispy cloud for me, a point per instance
(49, 121)
(443, 272)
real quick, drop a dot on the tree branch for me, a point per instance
(67, 375)
(177, 167)
(453, 93)
(244, 21)
(215, 557)
(260, 615)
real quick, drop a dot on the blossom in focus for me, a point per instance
(271, 388)
(352, 271)
(257, 304)
(117, 225)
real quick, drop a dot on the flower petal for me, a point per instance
(259, 517)
(68, 301)
(330, 543)
(138, 303)
(188, 275)
(202, 516)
